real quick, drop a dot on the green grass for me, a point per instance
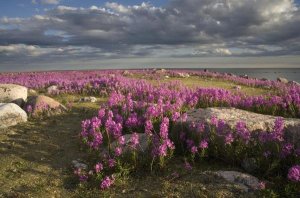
(203, 82)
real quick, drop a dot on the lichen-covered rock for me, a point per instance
(11, 114)
(245, 181)
(38, 104)
(13, 93)
(255, 122)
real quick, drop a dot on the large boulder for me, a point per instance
(11, 114)
(41, 103)
(255, 122)
(282, 80)
(13, 93)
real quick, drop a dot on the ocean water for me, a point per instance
(271, 74)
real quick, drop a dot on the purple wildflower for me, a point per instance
(203, 144)
(294, 173)
(107, 182)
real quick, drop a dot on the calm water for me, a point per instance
(272, 74)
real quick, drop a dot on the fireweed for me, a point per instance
(163, 121)
(138, 107)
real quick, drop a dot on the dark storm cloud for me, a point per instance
(187, 27)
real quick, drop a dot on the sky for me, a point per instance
(87, 34)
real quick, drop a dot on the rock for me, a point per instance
(11, 114)
(127, 73)
(143, 139)
(32, 92)
(53, 89)
(245, 181)
(244, 76)
(79, 165)
(167, 77)
(255, 122)
(250, 165)
(44, 103)
(282, 80)
(13, 93)
(183, 75)
(294, 83)
(88, 99)
(237, 87)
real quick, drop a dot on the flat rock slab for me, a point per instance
(245, 181)
(255, 122)
(11, 114)
(13, 93)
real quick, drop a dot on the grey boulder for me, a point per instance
(13, 93)
(11, 114)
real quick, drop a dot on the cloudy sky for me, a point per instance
(83, 34)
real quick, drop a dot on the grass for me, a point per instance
(36, 160)
(207, 82)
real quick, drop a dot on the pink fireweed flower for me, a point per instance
(200, 127)
(121, 140)
(111, 163)
(287, 149)
(262, 185)
(118, 151)
(134, 140)
(29, 109)
(242, 131)
(294, 173)
(203, 144)
(148, 127)
(228, 139)
(164, 128)
(194, 149)
(175, 116)
(162, 150)
(107, 182)
(214, 120)
(98, 167)
(278, 130)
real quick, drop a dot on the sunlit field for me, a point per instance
(136, 139)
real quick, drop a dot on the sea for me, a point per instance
(292, 74)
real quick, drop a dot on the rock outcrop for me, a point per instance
(245, 181)
(255, 122)
(11, 114)
(13, 93)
